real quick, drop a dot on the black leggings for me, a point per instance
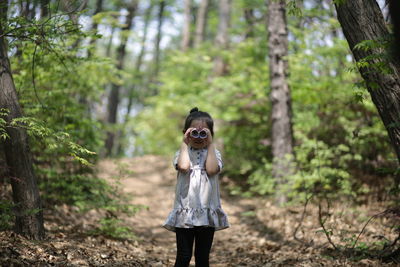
(203, 238)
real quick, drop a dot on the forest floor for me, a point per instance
(261, 234)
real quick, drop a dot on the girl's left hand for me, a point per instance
(209, 136)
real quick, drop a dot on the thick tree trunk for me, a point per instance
(113, 100)
(201, 19)
(222, 38)
(186, 26)
(29, 215)
(363, 20)
(281, 115)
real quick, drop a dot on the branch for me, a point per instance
(362, 230)
(301, 221)
(323, 227)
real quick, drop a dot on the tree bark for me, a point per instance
(363, 20)
(281, 114)
(29, 215)
(201, 19)
(222, 38)
(186, 26)
(113, 100)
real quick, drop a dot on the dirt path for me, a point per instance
(260, 233)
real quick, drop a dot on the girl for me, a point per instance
(197, 209)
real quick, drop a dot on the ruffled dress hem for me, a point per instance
(189, 218)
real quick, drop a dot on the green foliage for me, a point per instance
(293, 9)
(3, 124)
(63, 134)
(6, 214)
(319, 171)
(339, 2)
(59, 123)
(41, 33)
(58, 89)
(77, 190)
(368, 45)
(54, 141)
(378, 61)
(114, 228)
(87, 193)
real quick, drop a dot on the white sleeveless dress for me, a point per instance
(197, 196)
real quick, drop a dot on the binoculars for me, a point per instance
(198, 134)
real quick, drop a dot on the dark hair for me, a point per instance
(196, 114)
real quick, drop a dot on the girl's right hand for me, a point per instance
(186, 136)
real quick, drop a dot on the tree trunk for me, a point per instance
(25, 8)
(335, 32)
(363, 20)
(139, 60)
(201, 19)
(33, 10)
(250, 19)
(158, 40)
(186, 26)
(29, 215)
(109, 44)
(222, 38)
(113, 99)
(44, 8)
(92, 45)
(281, 115)
(92, 42)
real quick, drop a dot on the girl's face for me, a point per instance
(197, 142)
